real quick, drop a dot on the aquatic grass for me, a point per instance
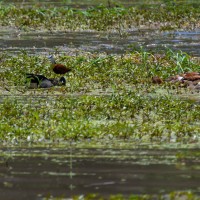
(100, 70)
(101, 18)
(124, 116)
(181, 59)
(106, 96)
(97, 72)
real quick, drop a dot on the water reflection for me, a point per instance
(40, 172)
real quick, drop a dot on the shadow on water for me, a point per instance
(34, 173)
(14, 41)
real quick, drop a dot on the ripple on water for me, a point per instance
(14, 41)
(74, 169)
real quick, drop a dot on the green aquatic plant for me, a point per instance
(182, 60)
(101, 18)
(105, 97)
(121, 116)
(99, 70)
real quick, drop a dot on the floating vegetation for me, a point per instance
(167, 16)
(106, 96)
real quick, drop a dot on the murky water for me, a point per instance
(89, 3)
(34, 173)
(78, 3)
(14, 41)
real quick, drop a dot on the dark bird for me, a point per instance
(35, 78)
(58, 68)
(40, 81)
(58, 82)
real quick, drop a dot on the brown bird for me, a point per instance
(157, 80)
(58, 68)
(191, 76)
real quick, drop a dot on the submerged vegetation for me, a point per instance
(101, 18)
(106, 96)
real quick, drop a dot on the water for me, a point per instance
(89, 3)
(13, 41)
(34, 173)
(77, 3)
